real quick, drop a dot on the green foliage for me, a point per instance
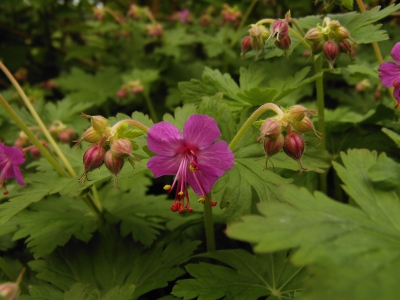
(337, 241)
(244, 277)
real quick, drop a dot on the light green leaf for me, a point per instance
(78, 292)
(353, 252)
(42, 292)
(393, 135)
(247, 277)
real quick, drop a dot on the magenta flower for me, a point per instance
(390, 72)
(184, 16)
(193, 157)
(10, 159)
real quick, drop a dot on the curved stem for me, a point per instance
(249, 122)
(32, 137)
(319, 84)
(209, 225)
(293, 21)
(242, 22)
(150, 106)
(137, 124)
(33, 112)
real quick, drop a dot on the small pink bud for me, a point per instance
(246, 45)
(35, 152)
(317, 47)
(294, 147)
(345, 47)
(377, 95)
(137, 89)
(121, 147)
(93, 158)
(64, 137)
(279, 29)
(272, 145)
(314, 35)
(270, 128)
(331, 52)
(9, 291)
(113, 162)
(283, 44)
(122, 93)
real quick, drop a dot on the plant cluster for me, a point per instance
(199, 99)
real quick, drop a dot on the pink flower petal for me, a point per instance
(18, 175)
(396, 94)
(165, 139)
(200, 131)
(216, 159)
(206, 180)
(14, 154)
(389, 73)
(395, 53)
(163, 165)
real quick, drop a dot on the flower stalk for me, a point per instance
(35, 115)
(209, 225)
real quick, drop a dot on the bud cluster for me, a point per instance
(231, 15)
(155, 30)
(285, 131)
(330, 39)
(109, 146)
(259, 35)
(133, 87)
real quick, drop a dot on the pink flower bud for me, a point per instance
(35, 152)
(345, 47)
(331, 52)
(270, 128)
(283, 44)
(246, 45)
(279, 29)
(93, 158)
(272, 145)
(64, 137)
(121, 147)
(113, 163)
(317, 47)
(314, 35)
(122, 93)
(137, 89)
(294, 147)
(9, 291)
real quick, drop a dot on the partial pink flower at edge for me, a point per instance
(389, 73)
(10, 159)
(193, 157)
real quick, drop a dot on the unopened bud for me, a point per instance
(283, 44)
(246, 45)
(272, 145)
(91, 136)
(122, 93)
(279, 29)
(345, 47)
(313, 35)
(317, 47)
(64, 137)
(331, 52)
(35, 152)
(270, 128)
(93, 157)
(137, 89)
(305, 125)
(298, 112)
(294, 147)
(113, 162)
(9, 291)
(99, 123)
(121, 147)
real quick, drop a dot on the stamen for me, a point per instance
(167, 187)
(202, 200)
(180, 193)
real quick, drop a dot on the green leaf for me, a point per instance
(108, 261)
(42, 292)
(393, 135)
(246, 276)
(83, 87)
(353, 252)
(44, 222)
(78, 292)
(348, 4)
(385, 173)
(212, 82)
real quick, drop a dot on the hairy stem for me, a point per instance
(46, 154)
(209, 225)
(249, 122)
(39, 121)
(319, 84)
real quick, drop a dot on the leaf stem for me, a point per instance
(319, 85)
(4, 266)
(32, 137)
(209, 225)
(242, 22)
(35, 115)
(137, 124)
(252, 119)
(150, 106)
